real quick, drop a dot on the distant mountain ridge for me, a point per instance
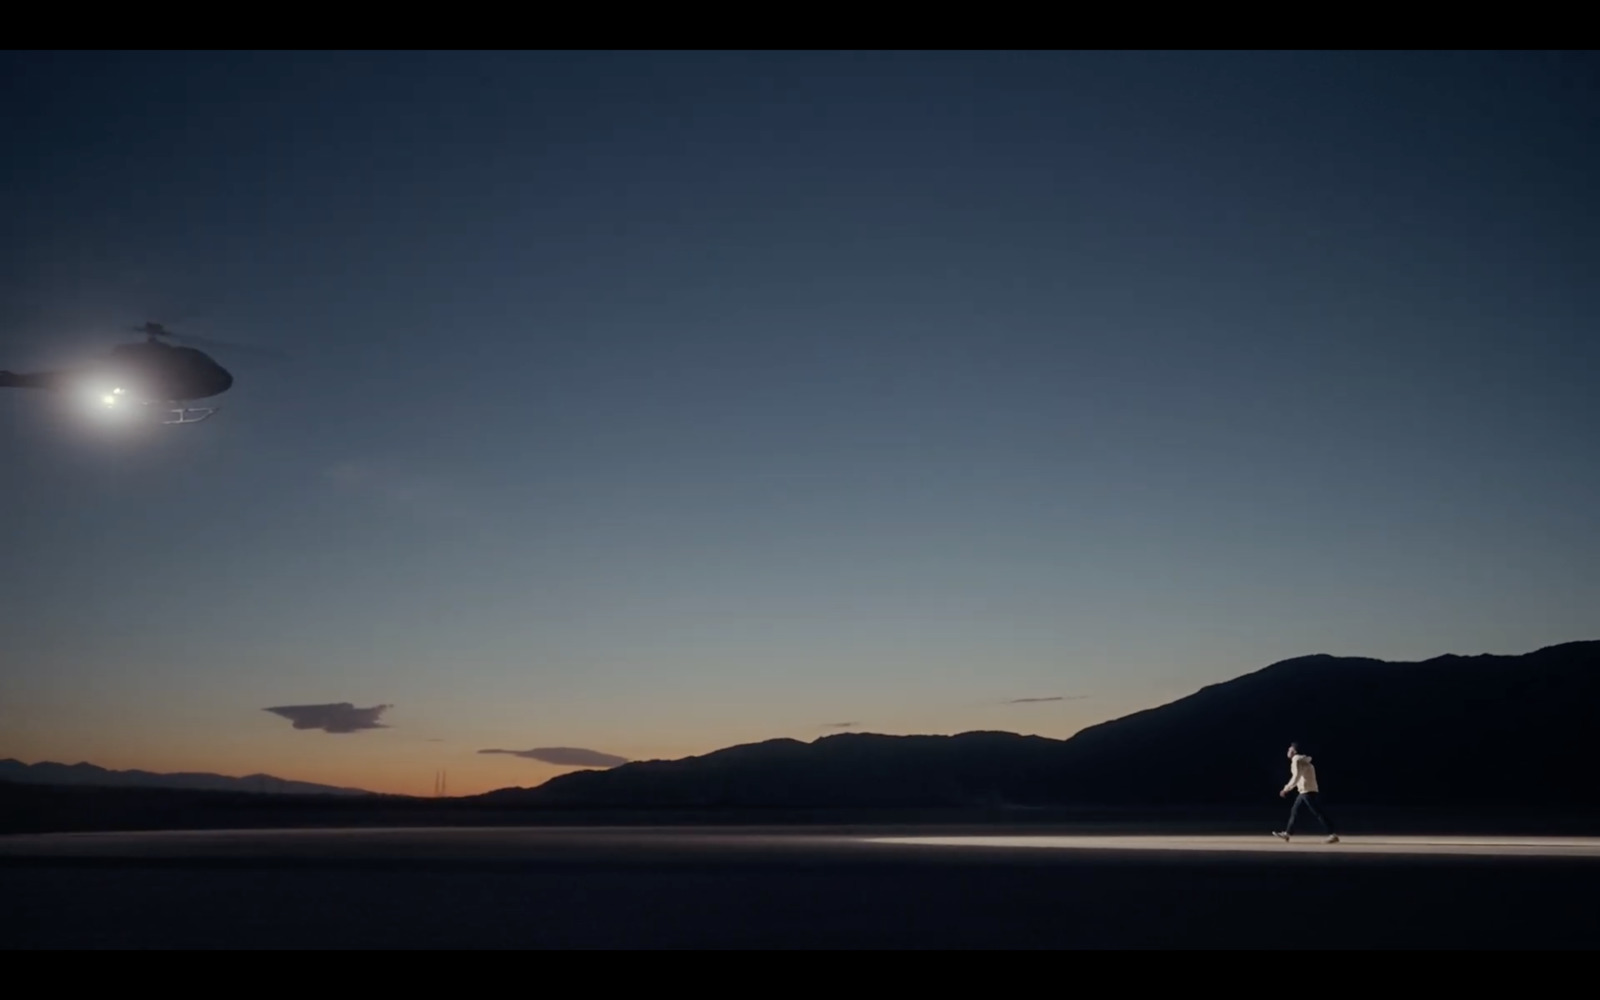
(1509, 729)
(1452, 730)
(52, 773)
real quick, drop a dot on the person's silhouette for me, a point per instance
(1303, 779)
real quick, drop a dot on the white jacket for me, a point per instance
(1302, 775)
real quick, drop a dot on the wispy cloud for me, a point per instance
(840, 725)
(1059, 697)
(337, 718)
(407, 490)
(566, 756)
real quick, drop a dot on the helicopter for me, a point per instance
(153, 376)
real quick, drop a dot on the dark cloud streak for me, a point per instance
(342, 717)
(566, 756)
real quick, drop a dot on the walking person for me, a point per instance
(1303, 780)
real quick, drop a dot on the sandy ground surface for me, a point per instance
(615, 888)
(510, 843)
(1569, 847)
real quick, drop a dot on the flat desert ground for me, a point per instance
(621, 888)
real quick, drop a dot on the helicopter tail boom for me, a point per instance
(32, 380)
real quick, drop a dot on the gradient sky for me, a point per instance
(649, 403)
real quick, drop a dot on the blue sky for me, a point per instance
(649, 402)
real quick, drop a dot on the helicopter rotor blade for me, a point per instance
(232, 347)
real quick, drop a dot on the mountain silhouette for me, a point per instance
(83, 774)
(1450, 730)
(844, 770)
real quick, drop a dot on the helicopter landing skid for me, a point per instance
(188, 415)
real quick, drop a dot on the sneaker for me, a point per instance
(1281, 835)
(1332, 838)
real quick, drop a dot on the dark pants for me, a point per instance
(1308, 801)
